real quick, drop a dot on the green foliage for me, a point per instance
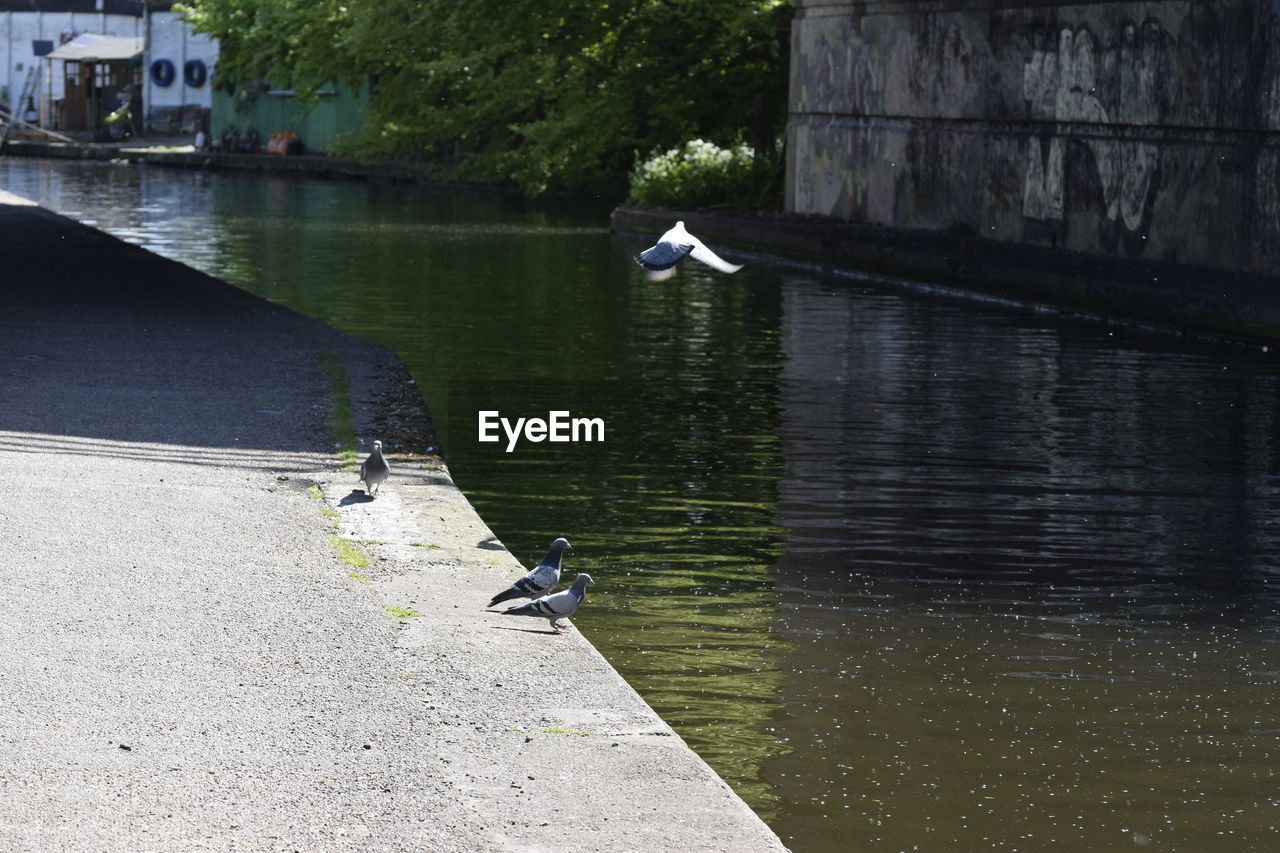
(296, 43)
(349, 553)
(700, 174)
(542, 92)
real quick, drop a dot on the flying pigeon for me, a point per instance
(671, 249)
(558, 606)
(541, 580)
(374, 469)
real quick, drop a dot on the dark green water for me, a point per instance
(911, 573)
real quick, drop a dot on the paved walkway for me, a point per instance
(187, 662)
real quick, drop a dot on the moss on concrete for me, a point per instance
(349, 552)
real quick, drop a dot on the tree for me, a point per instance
(539, 92)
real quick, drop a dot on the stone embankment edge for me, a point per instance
(429, 545)
(1149, 296)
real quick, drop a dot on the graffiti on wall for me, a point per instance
(1264, 211)
(821, 73)
(1134, 128)
(843, 78)
(1070, 78)
(936, 67)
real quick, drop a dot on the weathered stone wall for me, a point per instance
(1121, 129)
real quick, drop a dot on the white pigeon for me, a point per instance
(672, 248)
(374, 469)
(541, 580)
(553, 607)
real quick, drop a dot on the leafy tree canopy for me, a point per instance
(542, 92)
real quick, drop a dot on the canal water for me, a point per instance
(912, 573)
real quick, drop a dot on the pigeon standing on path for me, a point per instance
(374, 469)
(671, 249)
(559, 606)
(541, 580)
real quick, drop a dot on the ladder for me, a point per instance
(29, 87)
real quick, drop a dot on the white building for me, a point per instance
(174, 74)
(191, 56)
(30, 29)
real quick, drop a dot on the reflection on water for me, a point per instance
(1030, 583)
(911, 573)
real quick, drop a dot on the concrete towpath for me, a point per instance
(190, 658)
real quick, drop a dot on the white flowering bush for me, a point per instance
(699, 174)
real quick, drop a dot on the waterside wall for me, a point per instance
(1119, 132)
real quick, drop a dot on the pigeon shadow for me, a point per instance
(524, 630)
(491, 544)
(356, 496)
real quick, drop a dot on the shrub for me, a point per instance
(700, 174)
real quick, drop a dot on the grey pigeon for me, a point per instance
(541, 580)
(558, 606)
(374, 469)
(672, 248)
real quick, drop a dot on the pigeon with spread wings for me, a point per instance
(673, 247)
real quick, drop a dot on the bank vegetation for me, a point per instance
(543, 93)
